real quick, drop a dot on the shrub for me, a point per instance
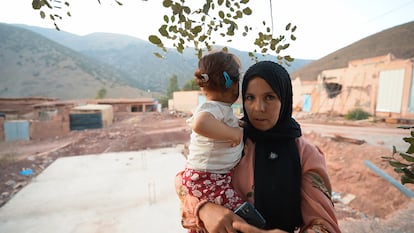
(357, 114)
(403, 162)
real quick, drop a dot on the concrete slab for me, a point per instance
(114, 192)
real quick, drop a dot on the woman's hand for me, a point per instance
(245, 227)
(218, 219)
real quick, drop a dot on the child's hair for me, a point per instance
(214, 70)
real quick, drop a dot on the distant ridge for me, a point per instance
(32, 65)
(398, 40)
(135, 57)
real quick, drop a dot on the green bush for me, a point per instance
(403, 162)
(357, 114)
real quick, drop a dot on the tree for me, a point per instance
(101, 93)
(213, 18)
(190, 85)
(200, 25)
(172, 86)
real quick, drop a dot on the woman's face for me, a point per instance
(262, 105)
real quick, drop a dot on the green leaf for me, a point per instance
(406, 180)
(239, 14)
(407, 156)
(408, 173)
(56, 26)
(206, 7)
(187, 25)
(288, 26)
(202, 38)
(288, 58)
(292, 37)
(155, 40)
(398, 170)
(397, 164)
(47, 4)
(196, 29)
(409, 140)
(410, 149)
(167, 3)
(187, 10)
(163, 30)
(220, 2)
(37, 4)
(42, 14)
(247, 11)
(158, 55)
(166, 19)
(221, 14)
(293, 29)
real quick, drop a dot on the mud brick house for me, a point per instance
(382, 86)
(40, 118)
(187, 101)
(91, 116)
(16, 115)
(131, 105)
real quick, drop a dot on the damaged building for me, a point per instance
(382, 86)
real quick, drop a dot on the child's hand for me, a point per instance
(242, 123)
(238, 136)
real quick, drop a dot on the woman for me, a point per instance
(282, 174)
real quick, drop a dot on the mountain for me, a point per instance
(398, 40)
(37, 61)
(136, 57)
(46, 62)
(32, 65)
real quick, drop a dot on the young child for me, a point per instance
(216, 139)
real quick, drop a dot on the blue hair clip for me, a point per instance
(228, 79)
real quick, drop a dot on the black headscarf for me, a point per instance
(277, 173)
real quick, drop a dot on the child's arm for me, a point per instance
(206, 125)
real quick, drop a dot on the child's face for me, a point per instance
(234, 90)
(231, 94)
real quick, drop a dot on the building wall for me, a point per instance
(48, 129)
(301, 88)
(50, 118)
(105, 109)
(2, 136)
(184, 101)
(360, 81)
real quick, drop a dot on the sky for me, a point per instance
(323, 26)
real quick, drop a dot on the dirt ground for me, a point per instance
(362, 197)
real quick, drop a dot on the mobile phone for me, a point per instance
(251, 215)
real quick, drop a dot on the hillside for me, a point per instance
(31, 65)
(135, 57)
(398, 40)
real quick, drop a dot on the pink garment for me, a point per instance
(317, 208)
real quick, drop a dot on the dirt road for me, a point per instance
(378, 136)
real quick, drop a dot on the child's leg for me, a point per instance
(214, 187)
